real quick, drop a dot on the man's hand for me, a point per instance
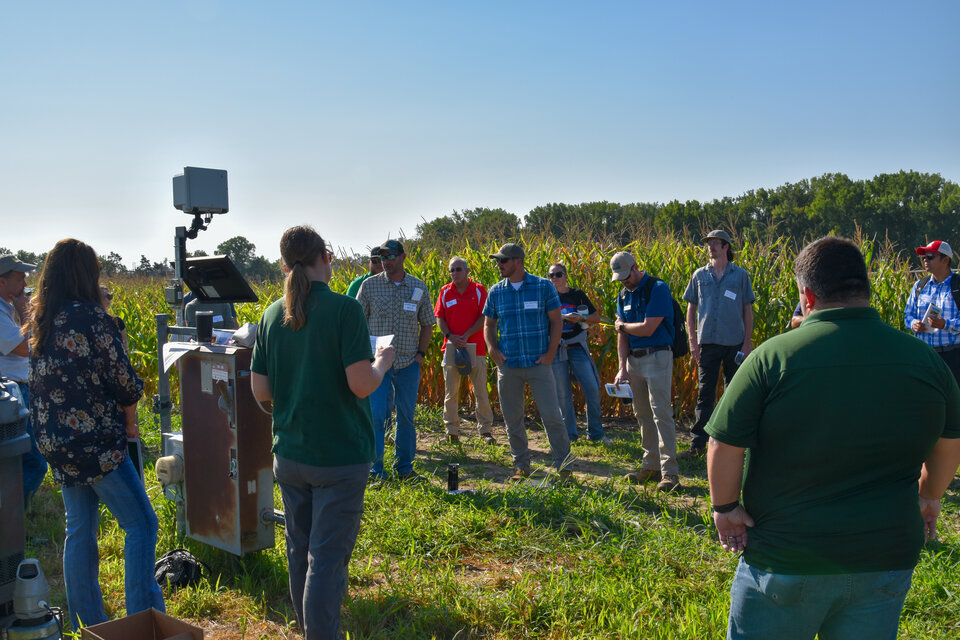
(747, 347)
(918, 326)
(695, 352)
(929, 510)
(497, 356)
(732, 528)
(547, 358)
(619, 324)
(938, 323)
(458, 340)
(622, 377)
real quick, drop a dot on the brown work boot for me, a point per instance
(565, 476)
(642, 476)
(519, 475)
(668, 484)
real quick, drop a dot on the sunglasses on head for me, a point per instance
(557, 274)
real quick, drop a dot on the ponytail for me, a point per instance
(299, 247)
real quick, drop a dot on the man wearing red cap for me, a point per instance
(932, 312)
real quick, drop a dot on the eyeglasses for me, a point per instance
(456, 269)
(557, 274)
(503, 260)
(928, 256)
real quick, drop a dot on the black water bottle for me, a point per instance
(453, 476)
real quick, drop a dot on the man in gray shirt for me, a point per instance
(720, 324)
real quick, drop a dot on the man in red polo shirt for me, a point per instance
(459, 315)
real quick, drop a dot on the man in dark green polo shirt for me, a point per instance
(836, 422)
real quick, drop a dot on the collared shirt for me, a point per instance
(12, 366)
(632, 307)
(940, 295)
(522, 320)
(461, 310)
(843, 381)
(720, 303)
(398, 309)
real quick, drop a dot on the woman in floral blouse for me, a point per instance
(81, 381)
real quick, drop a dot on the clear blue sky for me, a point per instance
(365, 118)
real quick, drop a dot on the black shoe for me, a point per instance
(488, 438)
(453, 439)
(692, 453)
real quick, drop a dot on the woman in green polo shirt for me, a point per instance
(312, 359)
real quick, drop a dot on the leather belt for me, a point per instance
(639, 353)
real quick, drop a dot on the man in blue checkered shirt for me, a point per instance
(941, 329)
(522, 330)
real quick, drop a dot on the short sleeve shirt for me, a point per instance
(939, 294)
(461, 310)
(12, 366)
(569, 302)
(843, 381)
(354, 287)
(397, 309)
(632, 306)
(522, 320)
(720, 303)
(317, 419)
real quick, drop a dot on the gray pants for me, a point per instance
(510, 384)
(322, 506)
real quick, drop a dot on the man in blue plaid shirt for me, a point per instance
(522, 330)
(942, 330)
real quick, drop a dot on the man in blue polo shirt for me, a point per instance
(522, 330)
(644, 335)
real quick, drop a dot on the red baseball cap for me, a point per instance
(937, 246)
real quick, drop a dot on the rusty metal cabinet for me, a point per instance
(227, 463)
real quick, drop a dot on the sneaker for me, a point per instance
(605, 441)
(411, 477)
(488, 438)
(692, 453)
(642, 476)
(519, 475)
(668, 484)
(453, 439)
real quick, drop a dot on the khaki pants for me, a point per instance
(650, 379)
(451, 386)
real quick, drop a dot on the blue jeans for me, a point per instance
(584, 370)
(34, 466)
(322, 507)
(837, 607)
(123, 494)
(405, 384)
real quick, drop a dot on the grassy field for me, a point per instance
(598, 559)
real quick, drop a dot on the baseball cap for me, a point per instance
(719, 234)
(509, 250)
(392, 247)
(462, 361)
(621, 264)
(937, 246)
(375, 252)
(10, 262)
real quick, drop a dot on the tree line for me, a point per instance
(906, 209)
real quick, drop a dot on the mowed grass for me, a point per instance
(597, 559)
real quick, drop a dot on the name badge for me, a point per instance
(531, 304)
(627, 307)
(729, 294)
(417, 294)
(409, 306)
(450, 303)
(218, 318)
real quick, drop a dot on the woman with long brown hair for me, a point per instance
(312, 358)
(81, 382)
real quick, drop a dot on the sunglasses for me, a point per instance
(557, 274)
(456, 269)
(375, 260)
(503, 260)
(928, 256)
(388, 256)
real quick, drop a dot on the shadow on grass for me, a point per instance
(402, 617)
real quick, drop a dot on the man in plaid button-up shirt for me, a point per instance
(943, 332)
(396, 303)
(522, 330)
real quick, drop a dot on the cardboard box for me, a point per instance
(146, 625)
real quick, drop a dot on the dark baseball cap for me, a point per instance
(509, 250)
(391, 247)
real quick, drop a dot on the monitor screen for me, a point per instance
(216, 279)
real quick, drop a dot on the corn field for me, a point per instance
(770, 266)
